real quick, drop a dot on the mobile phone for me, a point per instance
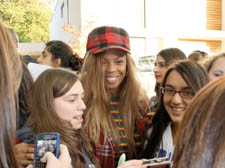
(162, 162)
(45, 142)
(122, 158)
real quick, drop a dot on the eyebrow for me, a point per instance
(218, 70)
(74, 94)
(160, 62)
(71, 95)
(118, 57)
(168, 85)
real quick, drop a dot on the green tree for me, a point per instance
(30, 19)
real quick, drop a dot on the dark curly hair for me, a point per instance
(64, 52)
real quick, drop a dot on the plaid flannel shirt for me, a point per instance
(105, 152)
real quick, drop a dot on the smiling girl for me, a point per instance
(115, 101)
(179, 86)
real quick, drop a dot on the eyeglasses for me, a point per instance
(160, 64)
(186, 94)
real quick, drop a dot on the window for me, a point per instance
(62, 10)
(68, 16)
(214, 14)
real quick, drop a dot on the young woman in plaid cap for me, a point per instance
(115, 100)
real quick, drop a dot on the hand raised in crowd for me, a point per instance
(64, 160)
(24, 154)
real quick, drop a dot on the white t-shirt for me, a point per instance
(166, 145)
(37, 69)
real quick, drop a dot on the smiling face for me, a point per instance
(70, 106)
(159, 69)
(218, 69)
(176, 105)
(114, 68)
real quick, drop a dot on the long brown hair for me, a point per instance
(10, 75)
(98, 117)
(51, 84)
(24, 94)
(200, 140)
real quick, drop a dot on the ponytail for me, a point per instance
(76, 62)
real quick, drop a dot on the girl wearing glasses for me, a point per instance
(181, 82)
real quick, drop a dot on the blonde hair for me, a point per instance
(98, 118)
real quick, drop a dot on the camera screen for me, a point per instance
(46, 143)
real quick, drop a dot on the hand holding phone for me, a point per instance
(45, 142)
(64, 160)
(162, 162)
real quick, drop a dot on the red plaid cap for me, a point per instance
(105, 37)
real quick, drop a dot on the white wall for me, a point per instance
(71, 15)
(33, 49)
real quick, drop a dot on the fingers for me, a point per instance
(30, 166)
(29, 156)
(24, 153)
(63, 161)
(29, 148)
(25, 159)
(24, 148)
(48, 156)
(25, 162)
(64, 153)
(132, 164)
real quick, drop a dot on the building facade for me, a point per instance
(151, 24)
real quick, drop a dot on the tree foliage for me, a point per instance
(79, 35)
(30, 19)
